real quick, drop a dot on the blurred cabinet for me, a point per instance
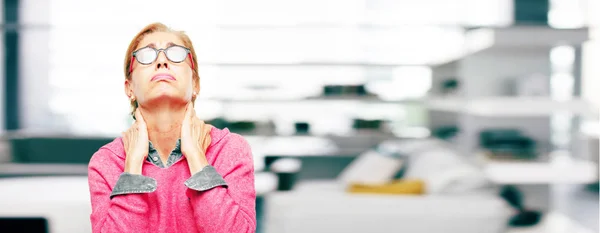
(518, 83)
(55, 149)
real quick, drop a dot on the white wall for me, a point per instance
(591, 70)
(34, 65)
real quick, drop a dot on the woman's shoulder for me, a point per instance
(225, 136)
(229, 151)
(113, 150)
(227, 141)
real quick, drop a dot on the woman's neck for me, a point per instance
(164, 126)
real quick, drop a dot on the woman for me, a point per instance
(170, 172)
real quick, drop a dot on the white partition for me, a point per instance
(63, 201)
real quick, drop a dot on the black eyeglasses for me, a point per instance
(147, 55)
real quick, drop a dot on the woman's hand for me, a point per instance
(195, 139)
(135, 141)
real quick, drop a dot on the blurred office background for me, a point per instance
(363, 115)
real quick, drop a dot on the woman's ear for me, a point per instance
(128, 89)
(197, 86)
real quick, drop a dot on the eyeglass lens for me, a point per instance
(148, 55)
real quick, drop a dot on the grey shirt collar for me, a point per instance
(154, 157)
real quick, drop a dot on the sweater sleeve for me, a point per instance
(228, 208)
(133, 183)
(205, 179)
(121, 213)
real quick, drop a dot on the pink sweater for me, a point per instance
(173, 207)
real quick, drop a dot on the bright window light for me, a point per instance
(562, 86)
(407, 82)
(565, 14)
(255, 50)
(491, 13)
(562, 80)
(593, 14)
(479, 39)
(562, 57)
(591, 72)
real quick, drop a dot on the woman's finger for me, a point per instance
(192, 127)
(188, 111)
(198, 128)
(138, 116)
(197, 133)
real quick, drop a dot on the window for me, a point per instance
(264, 49)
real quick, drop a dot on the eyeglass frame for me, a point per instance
(134, 57)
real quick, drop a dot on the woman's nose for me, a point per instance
(161, 61)
(162, 65)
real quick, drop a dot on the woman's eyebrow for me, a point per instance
(151, 45)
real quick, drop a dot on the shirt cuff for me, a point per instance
(131, 183)
(205, 179)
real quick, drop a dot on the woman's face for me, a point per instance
(162, 79)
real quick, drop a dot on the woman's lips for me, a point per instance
(159, 77)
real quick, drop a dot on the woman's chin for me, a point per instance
(167, 98)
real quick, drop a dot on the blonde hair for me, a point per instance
(149, 29)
